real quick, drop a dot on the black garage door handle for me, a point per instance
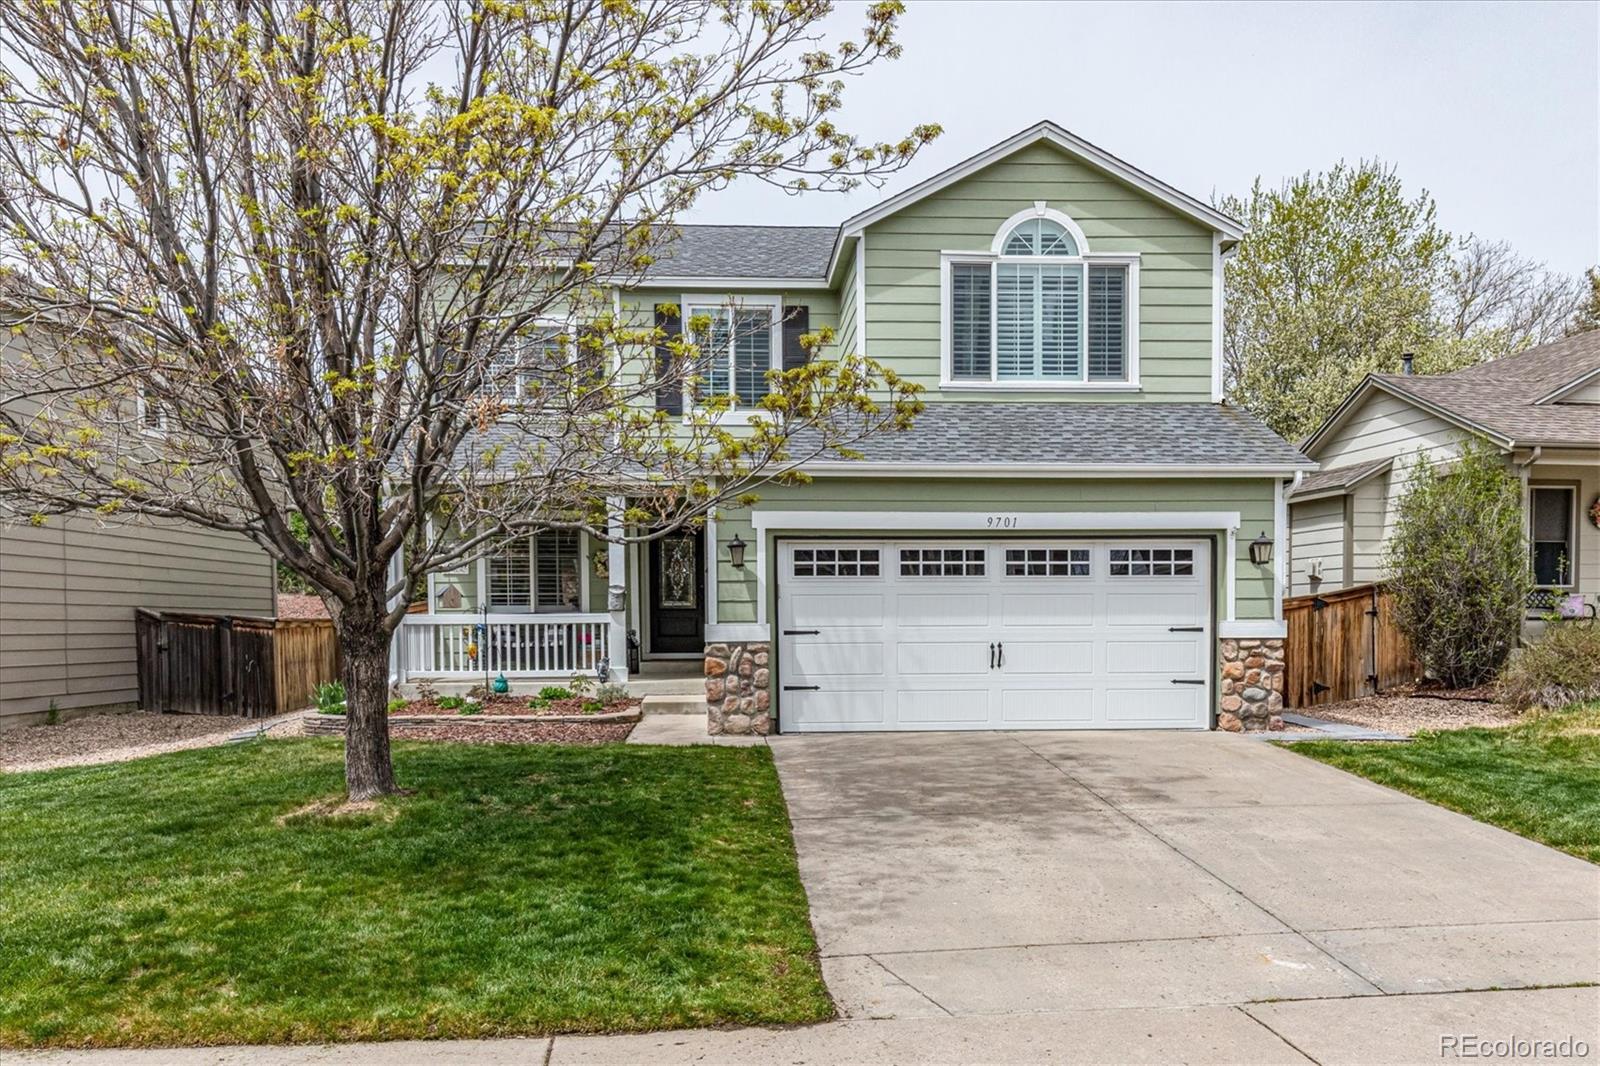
(1186, 629)
(801, 632)
(802, 688)
(1187, 681)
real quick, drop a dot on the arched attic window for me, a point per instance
(1041, 310)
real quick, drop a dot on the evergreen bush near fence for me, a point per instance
(1458, 566)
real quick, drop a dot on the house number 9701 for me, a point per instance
(1002, 521)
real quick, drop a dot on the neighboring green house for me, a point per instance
(1540, 408)
(1063, 540)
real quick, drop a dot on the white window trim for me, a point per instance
(541, 324)
(947, 379)
(733, 302)
(141, 408)
(532, 606)
(1039, 210)
(1574, 530)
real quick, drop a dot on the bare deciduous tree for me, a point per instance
(272, 276)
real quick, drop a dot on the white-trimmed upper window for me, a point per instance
(739, 342)
(1039, 309)
(524, 363)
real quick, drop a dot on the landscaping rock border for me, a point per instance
(329, 725)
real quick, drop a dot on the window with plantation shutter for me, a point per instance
(1041, 309)
(970, 296)
(740, 341)
(1108, 332)
(556, 552)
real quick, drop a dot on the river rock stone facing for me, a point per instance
(738, 697)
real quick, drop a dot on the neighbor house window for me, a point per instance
(737, 341)
(1040, 310)
(1552, 529)
(541, 572)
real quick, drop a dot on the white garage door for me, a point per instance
(952, 634)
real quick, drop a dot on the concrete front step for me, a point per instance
(675, 704)
(667, 686)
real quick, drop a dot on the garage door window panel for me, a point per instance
(1151, 562)
(943, 562)
(836, 562)
(1048, 562)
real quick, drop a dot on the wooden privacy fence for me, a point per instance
(222, 664)
(1343, 645)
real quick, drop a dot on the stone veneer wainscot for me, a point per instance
(1252, 685)
(737, 696)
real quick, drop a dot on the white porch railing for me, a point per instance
(532, 645)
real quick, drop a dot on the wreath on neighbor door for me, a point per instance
(1594, 513)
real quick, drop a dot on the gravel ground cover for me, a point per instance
(103, 738)
(1408, 715)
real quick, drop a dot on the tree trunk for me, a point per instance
(364, 643)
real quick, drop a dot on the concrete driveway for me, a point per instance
(1125, 897)
(1228, 889)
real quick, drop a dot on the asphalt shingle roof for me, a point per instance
(1338, 478)
(747, 252)
(1200, 435)
(1500, 395)
(965, 434)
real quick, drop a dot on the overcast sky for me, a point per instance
(1494, 108)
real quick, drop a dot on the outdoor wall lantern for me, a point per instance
(736, 552)
(1261, 550)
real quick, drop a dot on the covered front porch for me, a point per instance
(555, 604)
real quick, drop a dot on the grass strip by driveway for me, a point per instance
(1537, 778)
(521, 889)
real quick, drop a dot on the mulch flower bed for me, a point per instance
(517, 705)
(516, 732)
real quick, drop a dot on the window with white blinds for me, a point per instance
(737, 347)
(542, 573)
(558, 572)
(1040, 312)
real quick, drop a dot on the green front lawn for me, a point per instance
(1540, 778)
(519, 890)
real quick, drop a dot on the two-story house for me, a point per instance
(1077, 532)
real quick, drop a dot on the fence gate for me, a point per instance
(218, 664)
(1343, 645)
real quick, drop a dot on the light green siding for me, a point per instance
(1252, 498)
(847, 306)
(902, 271)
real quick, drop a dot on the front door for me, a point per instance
(678, 593)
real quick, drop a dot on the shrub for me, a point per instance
(555, 692)
(468, 707)
(1561, 668)
(593, 706)
(1458, 566)
(611, 693)
(330, 697)
(396, 705)
(451, 703)
(581, 684)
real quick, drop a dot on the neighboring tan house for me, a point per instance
(1063, 540)
(1540, 408)
(68, 590)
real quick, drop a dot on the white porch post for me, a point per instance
(617, 590)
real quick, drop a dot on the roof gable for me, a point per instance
(1049, 133)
